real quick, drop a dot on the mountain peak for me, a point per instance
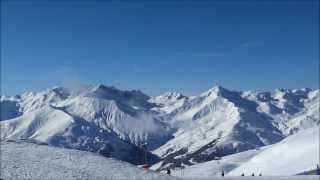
(217, 90)
(172, 95)
(102, 87)
(176, 94)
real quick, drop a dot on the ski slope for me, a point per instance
(259, 178)
(293, 155)
(25, 160)
(215, 167)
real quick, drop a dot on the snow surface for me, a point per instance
(259, 178)
(27, 160)
(214, 168)
(23, 160)
(293, 155)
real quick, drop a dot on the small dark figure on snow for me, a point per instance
(222, 173)
(252, 174)
(168, 171)
(260, 174)
(242, 174)
(318, 170)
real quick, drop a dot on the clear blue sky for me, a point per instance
(159, 46)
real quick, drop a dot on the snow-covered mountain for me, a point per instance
(221, 122)
(179, 129)
(96, 118)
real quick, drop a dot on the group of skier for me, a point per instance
(222, 174)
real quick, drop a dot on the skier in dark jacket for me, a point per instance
(318, 170)
(168, 172)
(252, 174)
(242, 174)
(222, 173)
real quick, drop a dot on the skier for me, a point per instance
(222, 173)
(318, 170)
(242, 174)
(168, 172)
(260, 174)
(252, 174)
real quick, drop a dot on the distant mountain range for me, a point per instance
(178, 130)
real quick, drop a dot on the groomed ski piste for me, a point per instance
(25, 160)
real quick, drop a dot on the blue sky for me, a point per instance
(159, 46)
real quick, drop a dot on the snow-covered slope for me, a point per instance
(181, 130)
(168, 102)
(25, 160)
(295, 154)
(213, 167)
(40, 124)
(55, 127)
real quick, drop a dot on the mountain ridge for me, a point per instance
(180, 130)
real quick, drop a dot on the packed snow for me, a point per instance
(25, 160)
